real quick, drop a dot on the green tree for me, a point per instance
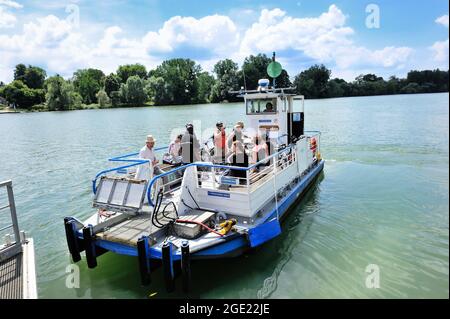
(103, 99)
(254, 68)
(205, 84)
(335, 88)
(157, 91)
(87, 83)
(180, 82)
(313, 82)
(35, 77)
(61, 95)
(133, 92)
(19, 72)
(32, 76)
(411, 88)
(112, 83)
(283, 81)
(115, 98)
(227, 75)
(126, 71)
(21, 95)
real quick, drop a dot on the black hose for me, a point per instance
(155, 216)
(189, 191)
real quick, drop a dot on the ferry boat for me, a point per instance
(197, 211)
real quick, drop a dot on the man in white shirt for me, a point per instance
(148, 153)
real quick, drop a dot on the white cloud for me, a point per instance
(325, 38)
(216, 34)
(443, 20)
(7, 20)
(440, 49)
(49, 42)
(56, 45)
(11, 4)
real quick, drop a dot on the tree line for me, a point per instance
(182, 81)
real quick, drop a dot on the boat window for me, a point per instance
(258, 106)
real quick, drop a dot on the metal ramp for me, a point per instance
(120, 195)
(17, 266)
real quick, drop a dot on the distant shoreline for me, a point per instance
(96, 107)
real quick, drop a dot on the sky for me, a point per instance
(350, 37)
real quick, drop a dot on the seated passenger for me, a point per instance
(236, 135)
(147, 152)
(175, 146)
(269, 108)
(260, 152)
(238, 158)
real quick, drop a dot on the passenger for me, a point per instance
(175, 147)
(190, 147)
(220, 139)
(238, 158)
(147, 152)
(260, 151)
(269, 108)
(236, 135)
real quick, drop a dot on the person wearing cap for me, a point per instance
(190, 147)
(220, 139)
(236, 135)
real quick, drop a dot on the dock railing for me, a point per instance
(11, 247)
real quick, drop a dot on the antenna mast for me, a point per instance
(273, 60)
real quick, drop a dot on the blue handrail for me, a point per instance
(122, 158)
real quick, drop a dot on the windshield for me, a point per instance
(258, 106)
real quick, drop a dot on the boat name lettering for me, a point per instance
(218, 194)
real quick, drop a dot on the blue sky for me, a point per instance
(62, 36)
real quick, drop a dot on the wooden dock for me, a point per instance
(17, 275)
(17, 264)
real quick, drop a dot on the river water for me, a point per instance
(381, 203)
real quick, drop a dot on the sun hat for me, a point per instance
(150, 139)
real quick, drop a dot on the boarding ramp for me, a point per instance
(120, 194)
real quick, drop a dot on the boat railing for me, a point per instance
(127, 158)
(207, 173)
(170, 181)
(11, 247)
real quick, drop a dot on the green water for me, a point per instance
(382, 199)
